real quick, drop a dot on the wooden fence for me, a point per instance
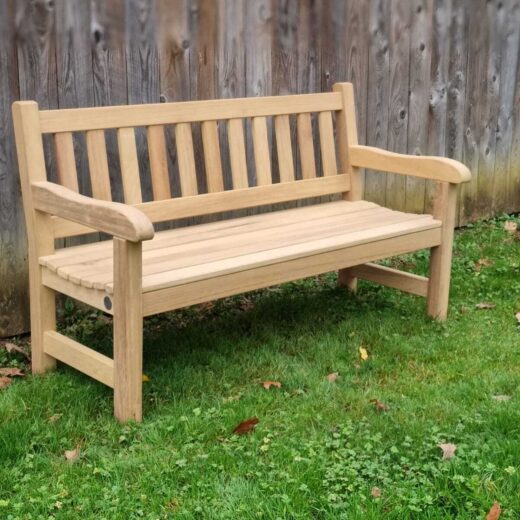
(431, 77)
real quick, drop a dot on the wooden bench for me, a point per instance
(141, 272)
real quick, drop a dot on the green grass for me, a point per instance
(319, 447)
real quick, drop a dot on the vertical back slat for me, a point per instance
(98, 164)
(306, 146)
(212, 159)
(186, 159)
(237, 153)
(158, 162)
(284, 148)
(129, 166)
(66, 161)
(328, 149)
(261, 151)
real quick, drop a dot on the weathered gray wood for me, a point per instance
(378, 93)
(476, 68)
(458, 96)
(489, 101)
(107, 34)
(418, 104)
(510, 41)
(142, 67)
(438, 103)
(13, 254)
(398, 115)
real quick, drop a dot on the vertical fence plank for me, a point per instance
(74, 64)
(513, 200)
(308, 72)
(378, 92)
(13, 254)
(174, 43)
(441, 51)
(231, 78)
(357, 63)
(107, 35)
(398, 115)
(258, 65)
(510, 41)
(418, 104)
(142, 68)
(476, 67)
(490, 88)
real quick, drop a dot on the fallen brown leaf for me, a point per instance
(380, 406)
(5, 382)
(11, 347)
(485, 305)
(332, 377)
(501, 398)
(482, 262)
(72, 455)
(376, 492)
(246, 426)
(494, 512)
(448, 450)
(11, 372)
(146, 379)
(269, 384)
(510, 226)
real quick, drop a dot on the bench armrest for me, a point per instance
(116, 219)
(426, 167)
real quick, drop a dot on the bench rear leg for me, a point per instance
(347, 279)
(128, 331)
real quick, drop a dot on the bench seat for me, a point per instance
(185, 255)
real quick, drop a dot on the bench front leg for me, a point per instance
(128, 330)
(444, 209)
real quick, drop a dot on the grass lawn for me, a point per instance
(321, 449)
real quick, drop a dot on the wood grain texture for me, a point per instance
(419, 99)
(85, 53)
(13, 250)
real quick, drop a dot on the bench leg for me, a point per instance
(128, 331)
(347, 279)
(440, 260)
(43, 319)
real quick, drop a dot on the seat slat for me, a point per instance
(284, 148)
(261, 151)
(98, 164)
(205, 250)
(306, 146)
(237, 153)
(99, 259)
(98, 274)
(129, 166)
(186, 159)
(212, 160)
(80, 119)
(158, 162)
(75, 254)
(66, 161)
(328, 149)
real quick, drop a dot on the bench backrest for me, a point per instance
(334, 113)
